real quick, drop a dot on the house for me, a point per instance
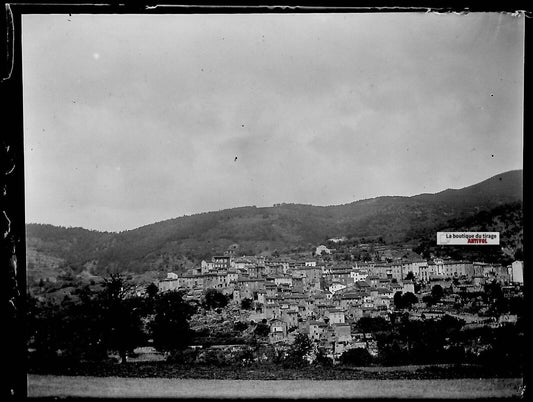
(259, 296)
(221, 262)
(336, 286)
(251, 283)
(322, 308)
(275, 269)
(362, 285)
(385, 292)
(414, 267)
(335, 316)
(359, 275)
(382, 270)
(271, 289)
(241, 262)
(517, 272)
(298, 284)
(383, 301)
(316, 329)
(232, 276)
(408, 286)
(290, 317)
(372, 280)
(205, 267)
(397, 271)
(278, 330)
(342, 275)
(168, 284)
(256, 271)
(342, 332)
(350, 299)
(395, 287)
(272, 311)
(283, 280)
(237, 296)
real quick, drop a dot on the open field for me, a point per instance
(73, 386)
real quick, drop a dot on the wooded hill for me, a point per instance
(494, 204)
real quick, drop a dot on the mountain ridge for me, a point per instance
(286, 227)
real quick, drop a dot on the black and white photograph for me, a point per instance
(286, 205)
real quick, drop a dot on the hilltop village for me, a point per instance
(325, 299)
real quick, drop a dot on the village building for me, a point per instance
(278, 330)
(335, 316)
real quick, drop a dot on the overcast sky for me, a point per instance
(133, 119)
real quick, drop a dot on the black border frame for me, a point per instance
(12, 218)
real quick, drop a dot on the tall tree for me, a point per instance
(170, 327)
(437, 292)
(299, 351)
(122, 316)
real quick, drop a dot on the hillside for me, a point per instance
(178, 243)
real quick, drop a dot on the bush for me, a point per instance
(246, 304)
(213, 357)
(240, 326)
(262, 329)
(322, 360)
(356, 357)
(187, 356)
(214, 299)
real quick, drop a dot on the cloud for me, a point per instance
(128, 124)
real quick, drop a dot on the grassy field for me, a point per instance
(104, 387)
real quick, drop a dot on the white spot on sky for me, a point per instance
(96, 56)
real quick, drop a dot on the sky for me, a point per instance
(134, 119)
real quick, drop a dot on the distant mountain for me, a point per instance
(180, 242)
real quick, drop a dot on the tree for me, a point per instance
(74, 329)
(246, 304)
(356, 357)
(170, 327)
(405, 300)
(214, 299)
(152, 290)
(299, 350)
(372, 324)
(398, 300)
(408, 299)
(437, 292)
(410, 276)
(428, 299)
(322, 360)
(262, 329)
(121, 315)
(495, 297)
(240, 326)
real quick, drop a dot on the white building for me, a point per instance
(517, 271)
(359, 275)
(336, 286)
(321, 249)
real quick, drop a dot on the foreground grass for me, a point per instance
(274, 372)
(78, 386)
